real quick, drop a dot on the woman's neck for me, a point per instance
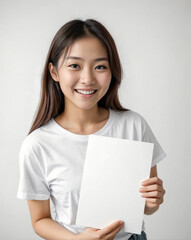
(82, 121)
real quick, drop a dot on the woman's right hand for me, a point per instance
(107, 233)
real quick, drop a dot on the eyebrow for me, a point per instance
(96, 60)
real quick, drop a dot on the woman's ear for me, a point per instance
(53, 72)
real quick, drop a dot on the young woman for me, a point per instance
(79, 97)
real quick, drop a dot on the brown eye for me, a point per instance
(101, 67)
(74, 65)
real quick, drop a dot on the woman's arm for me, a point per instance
(152, 189)
(48, 229)
(44, 225)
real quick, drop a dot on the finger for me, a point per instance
(155, 194)
(153, 187)
(156, 201)
(152, 181)
(110, 228)
(111, 235)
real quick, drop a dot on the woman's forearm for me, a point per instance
(49, 229)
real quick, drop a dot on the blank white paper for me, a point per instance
(113, 171)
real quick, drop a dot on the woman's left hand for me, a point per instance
(152, 189)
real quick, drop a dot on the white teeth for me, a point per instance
(85, 92)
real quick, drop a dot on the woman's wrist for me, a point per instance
(149, 211)
(78, 237)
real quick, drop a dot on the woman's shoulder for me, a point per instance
(129, 115)
(30, 142)
(33, 140)
(40, 134)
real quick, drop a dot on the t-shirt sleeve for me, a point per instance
(148, 136)
(32, 182)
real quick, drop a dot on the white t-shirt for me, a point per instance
(51, 161)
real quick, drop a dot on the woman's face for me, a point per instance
(85, 75)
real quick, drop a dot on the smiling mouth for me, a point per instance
(83, 92)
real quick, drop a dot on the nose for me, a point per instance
(87, 77)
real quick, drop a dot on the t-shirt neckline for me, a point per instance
(76, 136)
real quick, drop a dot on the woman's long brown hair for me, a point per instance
(52, 97)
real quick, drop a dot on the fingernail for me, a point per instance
(121, 222)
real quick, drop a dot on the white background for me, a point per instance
(153, 39)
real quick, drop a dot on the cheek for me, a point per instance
(105, 81)
(69, 80)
